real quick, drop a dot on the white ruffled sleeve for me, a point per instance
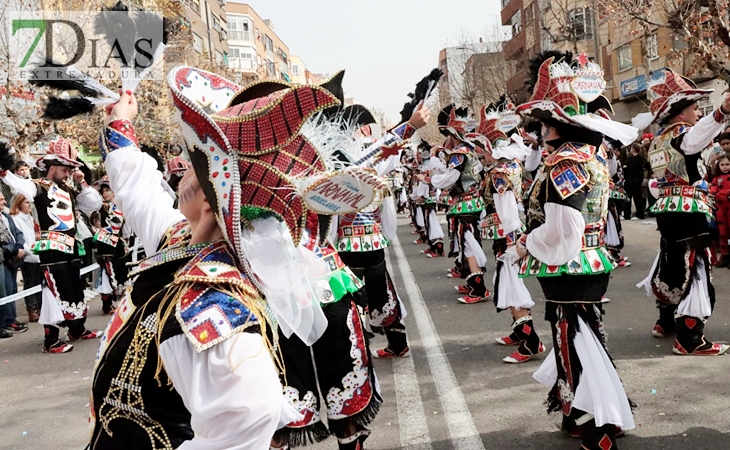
(138, 192)
(88, 200)
(445, 179)
(701, 135)
(560, 238)
(232, 392)
(506, 206)
(533, 160)
(21, 185)
(389, 218)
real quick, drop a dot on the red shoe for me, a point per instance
(432, 254)
(715, 350)
(517, 357)
(462, 289)
(470, 300)
(58, 347)
(109, 312)
(387, 353)
(507, 340)
(419, 241)
(658, 332)
(624, 263)
(88, 334)
(453, 273)
(414, 231)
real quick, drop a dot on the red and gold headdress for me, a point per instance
(61, 152)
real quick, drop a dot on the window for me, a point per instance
(268, 43)
(239, 28)
(216, 23)
(516, 22)
(505, 3)
(271, 68)
(295, 69)
(581, 20)
(705, 106)
(218, 58)
(651, 46)
(529, 15)
(197, 43)
(242, 58)
(195, 5)
(625, 60)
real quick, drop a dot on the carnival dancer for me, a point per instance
(681, 275)
(192, 336)
(63, 301)
(425, 190)
(502, 149)
(111, 249)
(461, 175)
(361, 241)
(564, 248)
(616, 199)
(420, 193)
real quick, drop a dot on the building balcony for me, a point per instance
(242, 64)
(514, 46)
(509, 8)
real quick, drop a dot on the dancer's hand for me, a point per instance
(725, 105)
(521, 246)
(78, 176)
(420, 116)
(126, 108)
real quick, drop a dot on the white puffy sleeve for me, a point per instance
(445, 179)
(533, 160)
(509, 215)
(148, 209)
(560, 238)
(701, 135)
(231, 390)
(88, 200)
(21, 186)
(389, 217)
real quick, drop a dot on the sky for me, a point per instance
(386, 46)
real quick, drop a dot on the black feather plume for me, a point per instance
(420, 93)
(7, 157)
(443, 118)
(65, 108)
(540, 58)
(61, 84)
(88, 176)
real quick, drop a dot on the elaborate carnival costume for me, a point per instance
(63, 302)
(564, 248)
(111, 249)
(502, 147)
(616, 199)
(338, 364)
(419, 192)
(361, 241)
(187, 363)
(461, 175)
(681, 275)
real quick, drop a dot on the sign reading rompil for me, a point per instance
(104, 45)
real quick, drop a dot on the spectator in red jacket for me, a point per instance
(720, 188)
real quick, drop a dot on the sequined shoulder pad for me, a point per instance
(675, 130)
(571, 151)
(455, 160)
(217, 300)
(177, 235)
(503, 176)
(568, 177)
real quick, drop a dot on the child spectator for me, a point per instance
(720, 188)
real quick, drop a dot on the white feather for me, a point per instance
(330, 136)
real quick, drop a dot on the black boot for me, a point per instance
(354, 442)
(530, 344)
(665, 326)
(478, 291)
(598, 438)
(691, 338)
(437, 247)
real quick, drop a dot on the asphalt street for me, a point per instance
(454, 391)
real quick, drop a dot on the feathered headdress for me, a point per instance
(570, 90)
(61, 152)
(454, 121)
(670, 95)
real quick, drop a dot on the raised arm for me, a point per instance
(135, 180)
(701, 135)
(22, 186)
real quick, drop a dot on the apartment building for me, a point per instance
(255, 49)
(207, 32)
